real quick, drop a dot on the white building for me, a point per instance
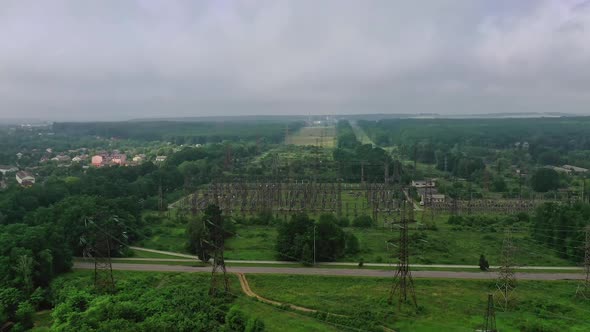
(575, 169)
(434, 198)
(424, 183)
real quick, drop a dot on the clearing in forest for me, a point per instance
(315, 136)
(361, 136)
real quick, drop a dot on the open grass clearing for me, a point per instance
(450, 305)
(314, 136)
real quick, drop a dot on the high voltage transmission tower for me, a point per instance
(506, 282)
(97, 246)
(403, 284)
(489, 321)
(219, 277)
(584, 288)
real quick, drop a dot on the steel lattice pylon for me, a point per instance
(489, 322)
(97, 246)
(103, 268)
(506, 282)
(584, 287)
(403, 284)
(219, 277)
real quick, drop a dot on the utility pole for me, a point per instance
(287, 134)
(506, 282)
(362, 172)
(415, 161)
(160, 198)
(403, 284)
(584, 287)
(314, 244)
(339, 199)
(489, 322)
(228, 158)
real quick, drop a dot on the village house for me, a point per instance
(80, 158)
(575, 169)
(559, 169)
(119, 159)
(25, 178)
(62, 158)
(97, 161)
(139, 158)
(160, 159)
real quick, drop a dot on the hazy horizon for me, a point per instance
(113, 60)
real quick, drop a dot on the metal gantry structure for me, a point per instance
(288, 197)
(403, 284)
(506, 282)
(584, 287)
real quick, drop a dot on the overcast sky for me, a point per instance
(122, 59)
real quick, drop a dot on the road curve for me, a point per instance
(333, 272)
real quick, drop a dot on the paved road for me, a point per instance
(190, 258)
(333, 272)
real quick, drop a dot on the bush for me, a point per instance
(38, 297)
(151, 219)
(363, 221)
(343, 221)
(254, 325)
(352, 244)
(24, 315)
(235, 319)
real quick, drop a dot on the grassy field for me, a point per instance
(444, 305)
(446, 245)
(315, 136)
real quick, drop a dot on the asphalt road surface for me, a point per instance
(333, 272)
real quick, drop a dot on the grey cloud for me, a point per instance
(69, 59)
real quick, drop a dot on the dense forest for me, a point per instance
(355, 159)
(180, 132)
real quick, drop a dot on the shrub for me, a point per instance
(254, 325)
(352, 244)
(343, 221)
(235, 319)
(24, 314)
(363, 221)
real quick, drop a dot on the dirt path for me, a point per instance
(250, 293)
(246, 289)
